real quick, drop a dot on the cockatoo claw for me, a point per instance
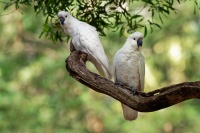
(133, 90)
(119, 83)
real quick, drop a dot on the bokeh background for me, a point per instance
(38, 95)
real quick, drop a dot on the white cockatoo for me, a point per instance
(129, 69)
(85, 38)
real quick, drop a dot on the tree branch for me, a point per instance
(143, 102)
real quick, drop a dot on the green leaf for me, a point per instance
(7, 6)
(17, 4)
(136, 16)
(41, 34)
(160, 18)
(121, 32)
(157, 25)
(145, 31)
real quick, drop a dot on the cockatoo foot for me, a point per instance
(133, 90)
(83, 57)
(120, 83)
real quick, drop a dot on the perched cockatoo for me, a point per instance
(129, 69)
(85, 38)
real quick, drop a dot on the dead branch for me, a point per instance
(143, 102)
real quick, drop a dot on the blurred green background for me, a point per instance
(38, 95)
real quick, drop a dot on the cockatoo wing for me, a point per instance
(115, 65)
(141, 72)
(91, 44)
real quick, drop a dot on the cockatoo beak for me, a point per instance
(62, 20)
(139, 42)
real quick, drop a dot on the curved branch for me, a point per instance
(143, 102)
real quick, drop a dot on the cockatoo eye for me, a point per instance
(133, 38)
(66, 16)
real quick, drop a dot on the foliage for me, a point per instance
(113, 14)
